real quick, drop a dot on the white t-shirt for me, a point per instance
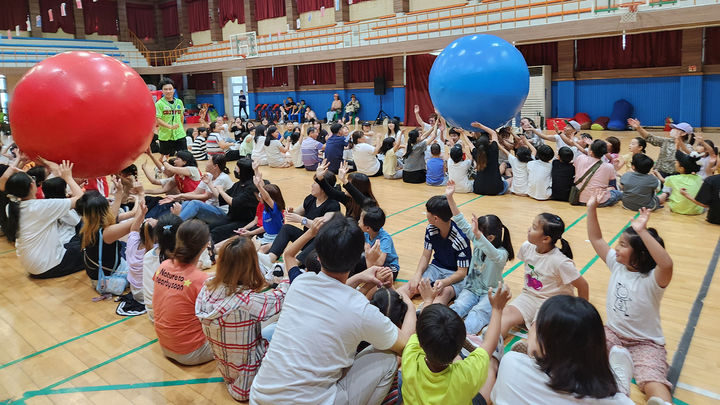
(258, 152)
(320, 326)
(151, 262)
(520, 381)
(224, 181)
(539, 179)
(274, 156)
(520, 175)
(458, 172)
(39, 245)
(438, 134)
(296, 154)
(365, 159)
(67, 223)
(547, 274)
(633, 302)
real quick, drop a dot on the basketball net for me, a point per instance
(630, 15)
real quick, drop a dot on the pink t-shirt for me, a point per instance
(599, 181)
(176, 288)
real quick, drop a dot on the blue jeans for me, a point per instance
(207, 213)
(615, 196)
(268, 331)
(476, 310)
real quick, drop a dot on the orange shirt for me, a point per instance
(176, 288)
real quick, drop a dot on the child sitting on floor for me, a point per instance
(372, 220)
(688, 180)
(562, 174)
(639, 186)
(430, 372)
(492, 248)
(549, 271)
(451, 250)
(435, 175)
(641, 270)
(540, 173)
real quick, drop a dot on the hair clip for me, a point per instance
(167, 227)
(12, 198)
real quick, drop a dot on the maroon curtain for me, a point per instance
(198, 15)
(141, 20)
(177, 78)
(265, 77)
(367, 70)
(540, 54)
(654, 49)
(100, 17)
(265, 9)
(319, 73)
(201, 81)
(171, 26)
(416, 87)
(305, 6)
(712, 45)
(15, 12)
(232, 10)
(67, 23)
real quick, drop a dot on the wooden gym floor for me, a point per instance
(60, 347)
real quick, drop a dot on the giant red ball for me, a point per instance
(85, 107)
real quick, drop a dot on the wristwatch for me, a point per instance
(304, 221)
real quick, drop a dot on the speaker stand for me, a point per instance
(381, 114)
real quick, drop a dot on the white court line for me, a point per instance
(698, 390)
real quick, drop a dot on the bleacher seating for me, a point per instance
(27, 51)
(212, 52)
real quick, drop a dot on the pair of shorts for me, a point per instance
(267, 239)
(172, 146)
(649, 358)
(434, 273)
(528, 306)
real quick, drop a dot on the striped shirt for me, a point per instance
(232, 325)
(451, 252)
(199, 148)
(213, 147)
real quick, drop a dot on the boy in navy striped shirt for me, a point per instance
(450, 251)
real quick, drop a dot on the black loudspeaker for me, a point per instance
(379, 86)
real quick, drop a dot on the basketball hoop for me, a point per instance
(630, 15)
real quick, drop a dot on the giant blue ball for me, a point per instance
(480, 78)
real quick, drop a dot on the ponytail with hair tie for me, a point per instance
(565, 248)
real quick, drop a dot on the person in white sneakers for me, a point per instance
(640, 269)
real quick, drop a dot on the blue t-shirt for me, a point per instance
(386, 246)
(272, 220)
(334, 149)
(435, 171)
(451, 252)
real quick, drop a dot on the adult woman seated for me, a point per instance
(336, 109)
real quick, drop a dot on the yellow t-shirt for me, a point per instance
(458, 384)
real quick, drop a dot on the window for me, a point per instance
(238, 83)
(3, 96)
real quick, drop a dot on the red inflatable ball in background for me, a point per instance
(85, 107)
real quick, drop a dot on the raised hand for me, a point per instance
(342, 172)
(65, 170)
(255, 165)
(316, 224)
(450, 188)
(322, 169)
(372, 253)
(416, 109)
(639, 224)
(634, 123)
(475, 227)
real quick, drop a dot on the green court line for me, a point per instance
(44, 391)
(6, 252)
(518, 264)
(152, 384)
(408, 208)
(425, 220)
(29, 356)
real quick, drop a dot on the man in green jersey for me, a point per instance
(169, 116)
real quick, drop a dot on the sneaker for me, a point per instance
(622, 366)
(279, 269)
(520, 346)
